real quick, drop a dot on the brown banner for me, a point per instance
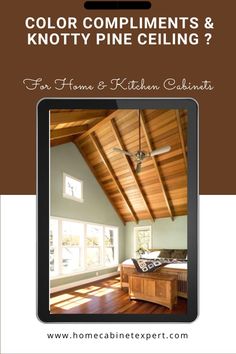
(89, 64)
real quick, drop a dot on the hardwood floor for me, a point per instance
(106, 296)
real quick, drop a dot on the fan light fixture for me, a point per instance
(140, 155)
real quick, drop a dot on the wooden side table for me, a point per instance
(154, 287)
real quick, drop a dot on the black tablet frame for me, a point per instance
(43, 150)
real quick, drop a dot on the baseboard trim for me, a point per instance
(82, 282)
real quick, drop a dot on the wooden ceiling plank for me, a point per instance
(111, 172)
(131, 168)
(105, 191)
(156, 165)
(102, 122)
(61, 133)
(181, 139)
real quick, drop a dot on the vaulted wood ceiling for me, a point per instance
(160, 189)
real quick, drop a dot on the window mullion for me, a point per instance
(103, 246)
(60, 247)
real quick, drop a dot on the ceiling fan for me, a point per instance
(140, 155)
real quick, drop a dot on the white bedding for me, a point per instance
(172, 265)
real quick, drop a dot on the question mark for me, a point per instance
(208, 38)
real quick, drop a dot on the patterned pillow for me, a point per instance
(179, 254)
(147, 265)
(166, 254)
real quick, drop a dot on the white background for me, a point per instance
(213, 332)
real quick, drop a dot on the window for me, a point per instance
(77, 246)
(94, 240)
(142, 238)
(110, 244)
(53, 247)
(72, 242)
(72, 188)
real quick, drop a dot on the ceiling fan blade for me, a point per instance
(138, 167)
(122, 151)
(161, 150)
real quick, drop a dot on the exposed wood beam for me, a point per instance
(181, 139)
(95, 121)
(105, 120)
(61, 141)
(61, 133)
(131, 167)
(104, 190)
(112, 173)
(60, 117)
(150, 147)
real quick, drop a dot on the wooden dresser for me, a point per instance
(154, 287)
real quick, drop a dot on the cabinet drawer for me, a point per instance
(162, 289)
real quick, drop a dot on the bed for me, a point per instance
(180, 269)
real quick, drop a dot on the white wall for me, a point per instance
(166, 234)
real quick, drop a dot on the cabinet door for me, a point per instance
(162, 289)
(136, 285)
(149, 287)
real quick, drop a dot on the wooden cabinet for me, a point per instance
(182, 276)
(158, 288)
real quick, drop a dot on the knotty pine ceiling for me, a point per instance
(160, 189)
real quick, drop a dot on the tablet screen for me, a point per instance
(117, 210)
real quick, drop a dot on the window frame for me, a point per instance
(115, 245)
(55, 244)
(84, 267)
(136, 228)
(65, 195)
(60, 247)
(100, 247)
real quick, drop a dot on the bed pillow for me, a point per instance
(179, 254)
(148, 265)
(166, 254)
(151, 255)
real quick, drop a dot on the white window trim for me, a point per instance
(56, 253)
(84, 268)
(141, 228)
(100, 247)
(116, 244)
(65, 195)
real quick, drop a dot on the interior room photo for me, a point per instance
(118, 211)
